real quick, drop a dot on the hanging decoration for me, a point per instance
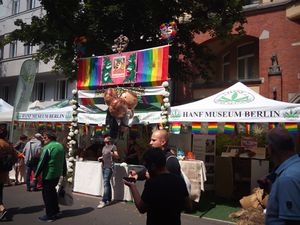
(273, 125)
(291, 127)
(196, 127)
(120, 44)
(249, 128)
(168, 30)
(148, 67)
(229, 128)
(72, 138)
(165, 108)
(176, 127)
(212, 128)
(58, 126)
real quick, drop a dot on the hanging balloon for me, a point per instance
(168, 30)
(109, 95)
(118, 108)
(130, 98)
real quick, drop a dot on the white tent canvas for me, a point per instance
(6, 111)
(237, 103)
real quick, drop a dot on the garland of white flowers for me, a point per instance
(72, 138)
(165, 107)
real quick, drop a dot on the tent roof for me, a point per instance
(6, 111)
(237, 103)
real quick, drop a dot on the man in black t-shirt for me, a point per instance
(159, 140)
(165, 195)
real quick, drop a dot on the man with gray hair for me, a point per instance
(284, 199)
(32, 151)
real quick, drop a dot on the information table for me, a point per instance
(88, 180)
(196, 172)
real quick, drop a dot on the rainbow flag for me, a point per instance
(291, 127)
(196, 127)
(98, 130)
(41, 125)
(273, 125)
(58, 126)
(147, 67)
(175, 128)
(49, 125)
(152, 66)
(212, 128)
(229, 128)
(249, 128)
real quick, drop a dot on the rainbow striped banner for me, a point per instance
(41, 125)
(196, 127)
(273, 125)
(176, 127)
(212, 128)
(291, 127)
(229, 128)
(49, 125)
(249, 128)
(58, 126)
(98, 130)
(146, 67)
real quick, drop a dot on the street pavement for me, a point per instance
(25, 208)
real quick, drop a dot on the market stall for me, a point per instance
(235, 110)
(6, 111)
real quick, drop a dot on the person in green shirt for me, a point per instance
(51, 167)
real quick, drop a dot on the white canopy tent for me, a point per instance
(58, 112)
(237, 103)
(6, 111)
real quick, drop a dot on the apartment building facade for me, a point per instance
(49, 86)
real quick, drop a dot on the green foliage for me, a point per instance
(101, 21)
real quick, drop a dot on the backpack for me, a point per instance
(7, 162)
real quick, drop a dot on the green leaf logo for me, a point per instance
(291, 114)
(234, 97)
(175, 114)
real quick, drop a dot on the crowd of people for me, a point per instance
(44, 158)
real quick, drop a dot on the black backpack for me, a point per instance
(7, 162)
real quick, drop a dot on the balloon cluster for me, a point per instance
(165, 107)
(120, 106)
(168, 30)
(72, 137)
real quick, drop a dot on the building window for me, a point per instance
(5, 93)
(38, 92)
(15, 6)
(226, 67)
(13, 49)
(30, 4)
(28, 49)
(245, 61)
(1, 53)
(250, 2)
(61, 89)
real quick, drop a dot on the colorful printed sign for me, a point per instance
(146, 67)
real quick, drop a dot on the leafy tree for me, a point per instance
(101, 21)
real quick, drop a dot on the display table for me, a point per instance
(88, 180)
(196, 172)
